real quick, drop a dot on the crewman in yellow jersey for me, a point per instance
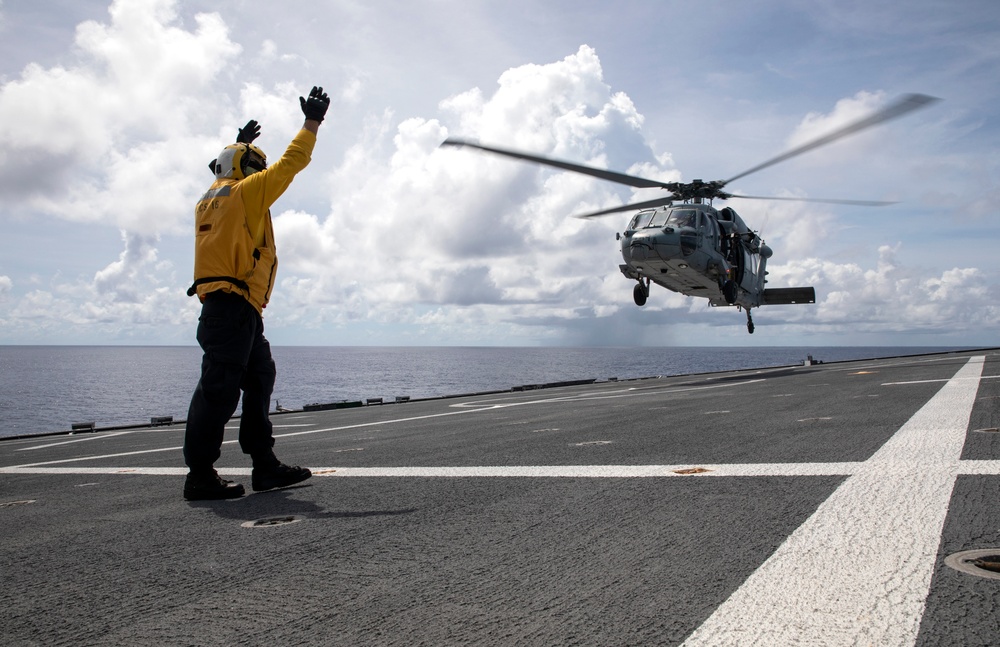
(234, 270)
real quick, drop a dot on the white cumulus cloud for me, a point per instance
(110, 138)
(427, 226)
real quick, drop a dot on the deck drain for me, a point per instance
(984, 562)
(270, 522)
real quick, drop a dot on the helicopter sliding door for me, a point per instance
(738, 259)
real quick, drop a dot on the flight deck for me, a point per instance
(847, 503)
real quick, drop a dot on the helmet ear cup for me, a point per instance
(229, 164)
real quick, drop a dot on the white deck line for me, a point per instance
(979, 468)
(858, 571)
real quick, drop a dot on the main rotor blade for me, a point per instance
(620, 178)
(635, 206)
(899, 107)
(859, 203)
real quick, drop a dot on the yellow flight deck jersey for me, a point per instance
(234, 240)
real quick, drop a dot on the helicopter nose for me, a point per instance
(652, 246)
(667, 242)
(632, 253)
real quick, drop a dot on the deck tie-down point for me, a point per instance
(984, 562)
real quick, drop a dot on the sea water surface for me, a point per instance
(48, 388)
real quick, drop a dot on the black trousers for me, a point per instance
(237, 358)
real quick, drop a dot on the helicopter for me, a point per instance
(683, 243)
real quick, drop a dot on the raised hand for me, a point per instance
(316, 105)
(248, 133)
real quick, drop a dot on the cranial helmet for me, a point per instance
(239, 160)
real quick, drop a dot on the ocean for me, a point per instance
(49, 388)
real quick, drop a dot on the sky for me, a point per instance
(111, 110)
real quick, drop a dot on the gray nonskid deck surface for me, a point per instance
(809, 505)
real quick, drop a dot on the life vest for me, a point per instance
(226, 256)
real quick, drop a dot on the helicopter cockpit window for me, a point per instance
(659, 219)
(640, 220)
(684, 218)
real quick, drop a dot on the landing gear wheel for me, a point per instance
(639, 294)
(729, 291)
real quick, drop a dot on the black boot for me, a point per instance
(280, 475)
(209, 486)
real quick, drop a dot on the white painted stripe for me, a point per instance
(883, 364)
(98, 457)
(600, 471)
(75, 440)
(858, 571)
(988, 468)
(976, 379)
(979, 468)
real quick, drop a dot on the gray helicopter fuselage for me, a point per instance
(693, 249)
